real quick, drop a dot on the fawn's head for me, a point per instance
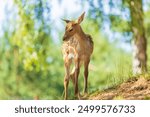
(72, 27)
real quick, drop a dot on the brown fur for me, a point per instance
(77, 48)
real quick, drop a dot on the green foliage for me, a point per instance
(122, 26)
(31, 59)
(147, 32)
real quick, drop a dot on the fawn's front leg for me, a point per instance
(66, 79)
(77, 71)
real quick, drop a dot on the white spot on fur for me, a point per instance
(71, 55)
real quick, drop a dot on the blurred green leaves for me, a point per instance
(31, 63)
(119, 25)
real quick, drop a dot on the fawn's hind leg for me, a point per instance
(72, 76)
(86, 64)
(66, 78)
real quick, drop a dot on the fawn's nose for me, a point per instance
(64, 37)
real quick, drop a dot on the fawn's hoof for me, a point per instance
(77, 96)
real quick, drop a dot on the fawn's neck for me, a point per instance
(80, 35)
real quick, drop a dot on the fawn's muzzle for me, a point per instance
(64, 37)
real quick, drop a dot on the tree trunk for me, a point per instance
(140, 43)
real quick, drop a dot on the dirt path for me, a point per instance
(134, 89)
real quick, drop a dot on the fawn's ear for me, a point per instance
(67, 21)
(80, 19)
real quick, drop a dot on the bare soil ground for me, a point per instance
(133, 89)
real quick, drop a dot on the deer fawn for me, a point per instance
(77, 48)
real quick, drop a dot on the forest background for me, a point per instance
(31, 62)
